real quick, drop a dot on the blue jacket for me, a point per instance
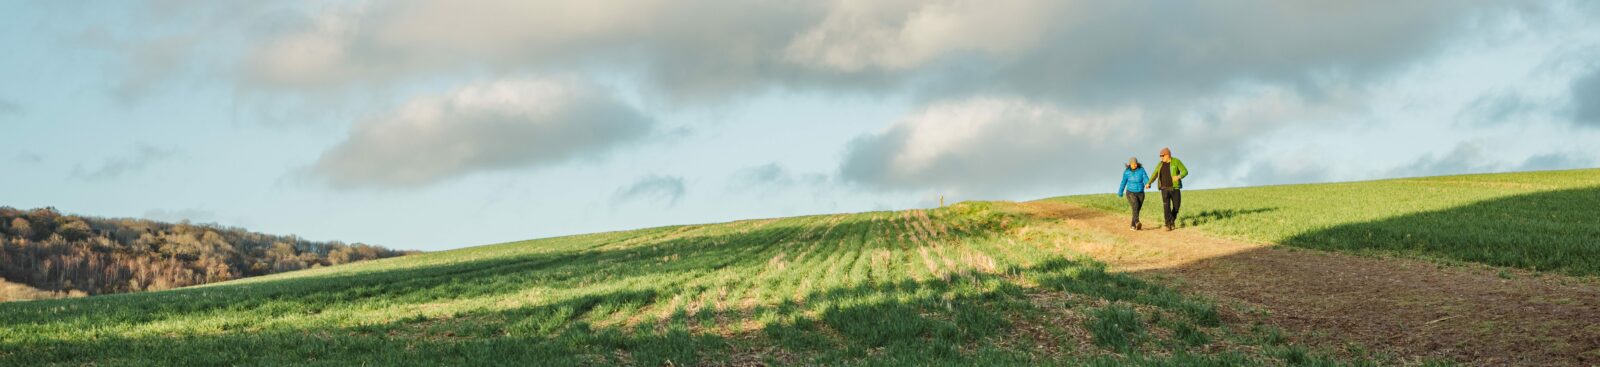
(1133, 180)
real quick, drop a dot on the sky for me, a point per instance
(434, 125)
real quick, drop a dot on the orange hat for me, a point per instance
(1165, 151)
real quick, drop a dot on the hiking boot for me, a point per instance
(1138, 226)
(1169, 228)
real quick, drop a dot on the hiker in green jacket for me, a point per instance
(1169, 176)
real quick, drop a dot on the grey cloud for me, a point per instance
(1272, 173)
(1149, 53)
(8, 107)
(662, 189)
(1556, 161)
(182, 50)
(191, 215)
(1465, 157)
(1497, 108)
(151, 63)
(1075, 52)
(30, 158)
(1586, 99)
(494, 126)
(772, 176)
(116, 167)
(690, 47)
(1473, 157)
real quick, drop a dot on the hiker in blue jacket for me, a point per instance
(1133, 183)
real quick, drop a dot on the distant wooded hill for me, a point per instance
(63, 255)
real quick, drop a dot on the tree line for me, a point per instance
(53, 252)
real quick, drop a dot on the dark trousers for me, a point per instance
(1135, 202)
(1170, 200)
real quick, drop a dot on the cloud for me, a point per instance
(1497, 108)
(1586, 99)
(990, 147)
(657, 188)
(772, 176)
(1475, 157)
(1156, 68)
(1556, 161)
(493, 126)
(190, 215)
(1077, 52)
(29, 158)
(116, 167)
(8, 107)
(688, 46)
(1465, 157)
(195, 42)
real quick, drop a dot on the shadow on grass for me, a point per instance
(571, 268)
(232, 323)
(1209, 216)
(954, 321)
(1556, 231)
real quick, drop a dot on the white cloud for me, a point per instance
(491, 126)
(992, 147)
(898, 35)
(985, 146)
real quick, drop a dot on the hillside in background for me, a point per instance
(46, 254)
(979, 283)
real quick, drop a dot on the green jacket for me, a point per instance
(1179, 172)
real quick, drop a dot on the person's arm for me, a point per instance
(1124, 185)
(1152, 179)
(1180, 171)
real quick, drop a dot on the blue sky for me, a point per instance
(434, 125)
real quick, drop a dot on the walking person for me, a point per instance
(1169, 176)
(1134, 181)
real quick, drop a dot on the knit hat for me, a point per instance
(1166, 151)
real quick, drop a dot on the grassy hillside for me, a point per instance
(973, 284)
(17, 292)
(1533, 220)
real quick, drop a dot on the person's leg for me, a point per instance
(1177, 202)
(1135, 202)
(1168, 212)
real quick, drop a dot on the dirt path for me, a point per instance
(1408, 308)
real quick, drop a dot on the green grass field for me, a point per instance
(972, 284)
(1545, 221)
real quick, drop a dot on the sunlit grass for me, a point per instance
(1532, 220)
(972, 284)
